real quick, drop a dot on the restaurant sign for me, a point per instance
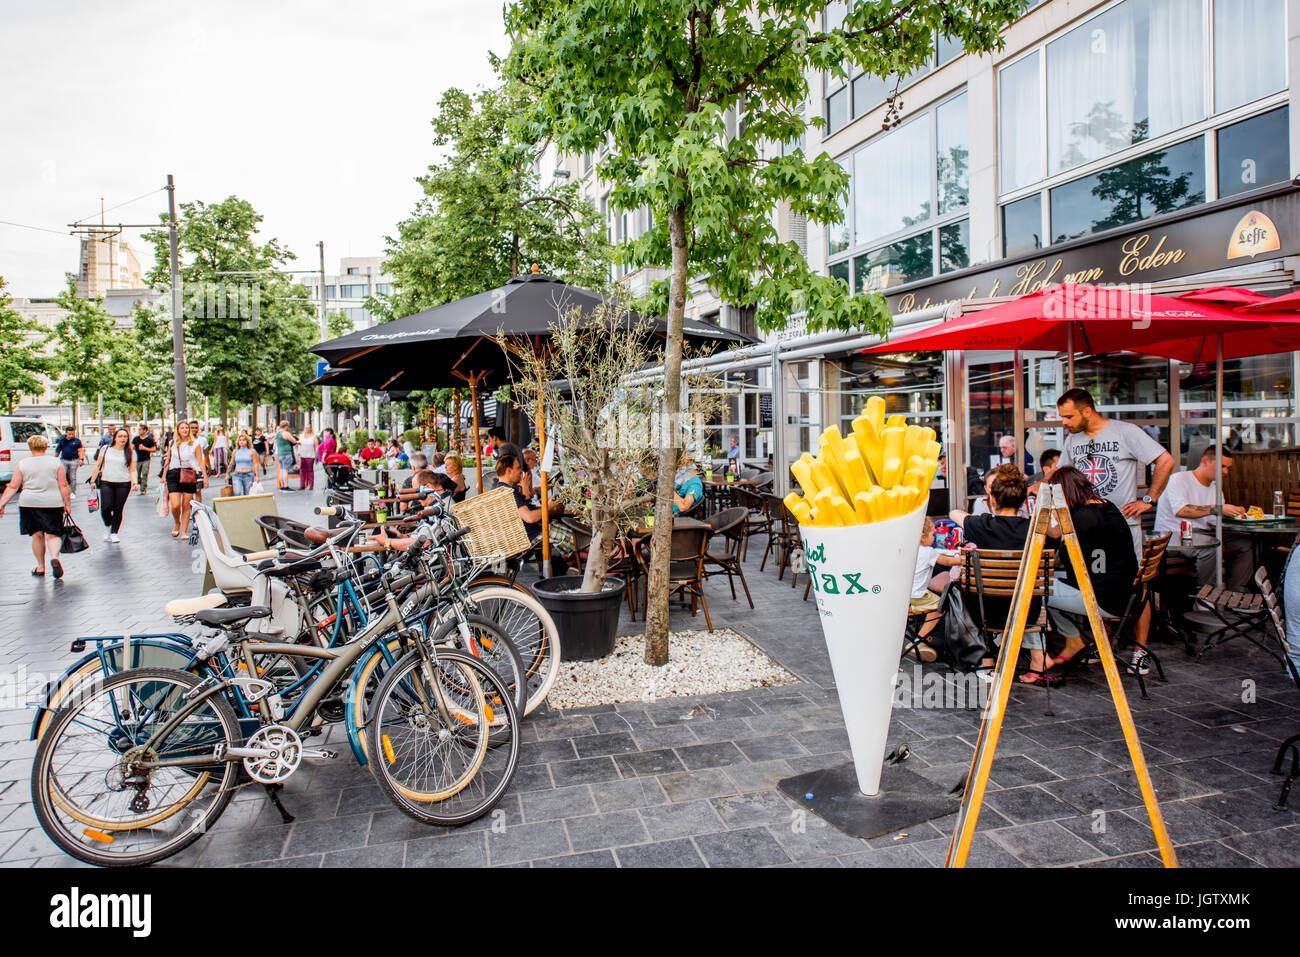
(1260, 229)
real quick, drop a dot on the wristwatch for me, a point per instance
(1148, 499)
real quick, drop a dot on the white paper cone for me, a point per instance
(862, 576)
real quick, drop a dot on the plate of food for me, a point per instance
(1255, 516)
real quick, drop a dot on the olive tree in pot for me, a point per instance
(607, 439)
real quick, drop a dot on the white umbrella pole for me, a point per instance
(1218, 461)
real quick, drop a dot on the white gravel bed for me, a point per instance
(699, 663)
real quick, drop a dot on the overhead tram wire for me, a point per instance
(160, 189)
(43, 229)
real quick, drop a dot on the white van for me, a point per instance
(15, 430)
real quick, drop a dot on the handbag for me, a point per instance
(162, 508)
(257, 488)
(73, 540)
(962, 638)
(188, 477)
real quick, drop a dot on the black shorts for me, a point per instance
(174, 483)
(48, 520)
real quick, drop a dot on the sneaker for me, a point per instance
(71, 494)
(114, 539)
(985, 675)
(1139, 664)
(108, 536)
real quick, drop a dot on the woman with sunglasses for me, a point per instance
(114, 477)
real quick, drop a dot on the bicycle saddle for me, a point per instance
(226, 616)
(319, 536)
(293, 568)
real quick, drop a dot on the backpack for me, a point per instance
(963, 640)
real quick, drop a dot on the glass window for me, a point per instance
(905, 261)
(1022, 225)
(892, 181)
(384, 288)
(948, 48)
(355, 292)
(1254, 153)
(840, 270)
(954, 246)
(870, 91)
(835, 13)
(837, 110)
(1134, 72)
(837, 234)
(1159, 182)
(953, 161)
(910, 383)
(1020, 124)
(330, 292)
(1249, 50)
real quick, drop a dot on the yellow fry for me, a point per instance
(793, 499)
(825, 479)
(802, 511)
(875, 411)
(915, 478)
(931, 450)
(844, 510)
(896, 421)
(893, 506)
(930, 435)
(855, 470)
(825, 512)
(802, 472)
(893, 473)
(893, 447)
(862, 505)
(915, 462)
(913, 442)
(870, 445)
(930, 469)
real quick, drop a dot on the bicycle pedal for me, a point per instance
(319, 753)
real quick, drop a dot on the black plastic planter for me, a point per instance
(588, 623)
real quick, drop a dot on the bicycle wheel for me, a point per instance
(450, 769)
(361, 691)
(530, 627)
(103, 798)
(486, 641)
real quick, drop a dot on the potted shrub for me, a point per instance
(608, 452)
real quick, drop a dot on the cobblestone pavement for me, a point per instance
(671, 784)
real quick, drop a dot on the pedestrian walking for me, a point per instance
(184, 474)
(71, 454)
(201, 449)
(307, 459)
(259, 446)
(44, 503)
(284, 443)
(245, 466)
(143, 446)
(113, 477)
(219, 446)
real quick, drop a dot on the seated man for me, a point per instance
(371, 452)
(419, 464)
(510, 472)
(1047, 463)
(1191, 496)
(688, 491)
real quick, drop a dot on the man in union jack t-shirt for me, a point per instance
(1112, 454)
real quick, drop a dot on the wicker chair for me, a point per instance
(728, 525)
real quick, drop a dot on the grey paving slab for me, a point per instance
(751, 847)
(606, 830)
(680, 820)
(557, 804)
(660, 854)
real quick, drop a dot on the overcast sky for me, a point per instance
(315, 112)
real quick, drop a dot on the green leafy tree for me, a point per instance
(84, 345)
(658, 81)
(151, 335)
(21, 355)
(486, 215)
(237, 319)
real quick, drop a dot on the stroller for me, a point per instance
(339, 473)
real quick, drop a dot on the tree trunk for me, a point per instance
(514, 256)
(656, 631)
(603, 535)
(225, 419)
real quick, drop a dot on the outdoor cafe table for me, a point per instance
(1263, 538)
(716, 489)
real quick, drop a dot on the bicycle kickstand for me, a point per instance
(273, 792)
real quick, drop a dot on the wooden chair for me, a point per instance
(989, 578)
(729, 526)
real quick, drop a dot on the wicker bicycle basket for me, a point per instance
(495, 527)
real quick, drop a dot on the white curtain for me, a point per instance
(891, 181)
(1091, 89)
(1249, 50)
(1020, 122)
(1175, 76)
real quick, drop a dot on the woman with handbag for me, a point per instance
(184, 470)
(44, 505)
(244, 466)
(112, 474)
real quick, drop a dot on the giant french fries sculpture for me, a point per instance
(860, 511)
(877, 460)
